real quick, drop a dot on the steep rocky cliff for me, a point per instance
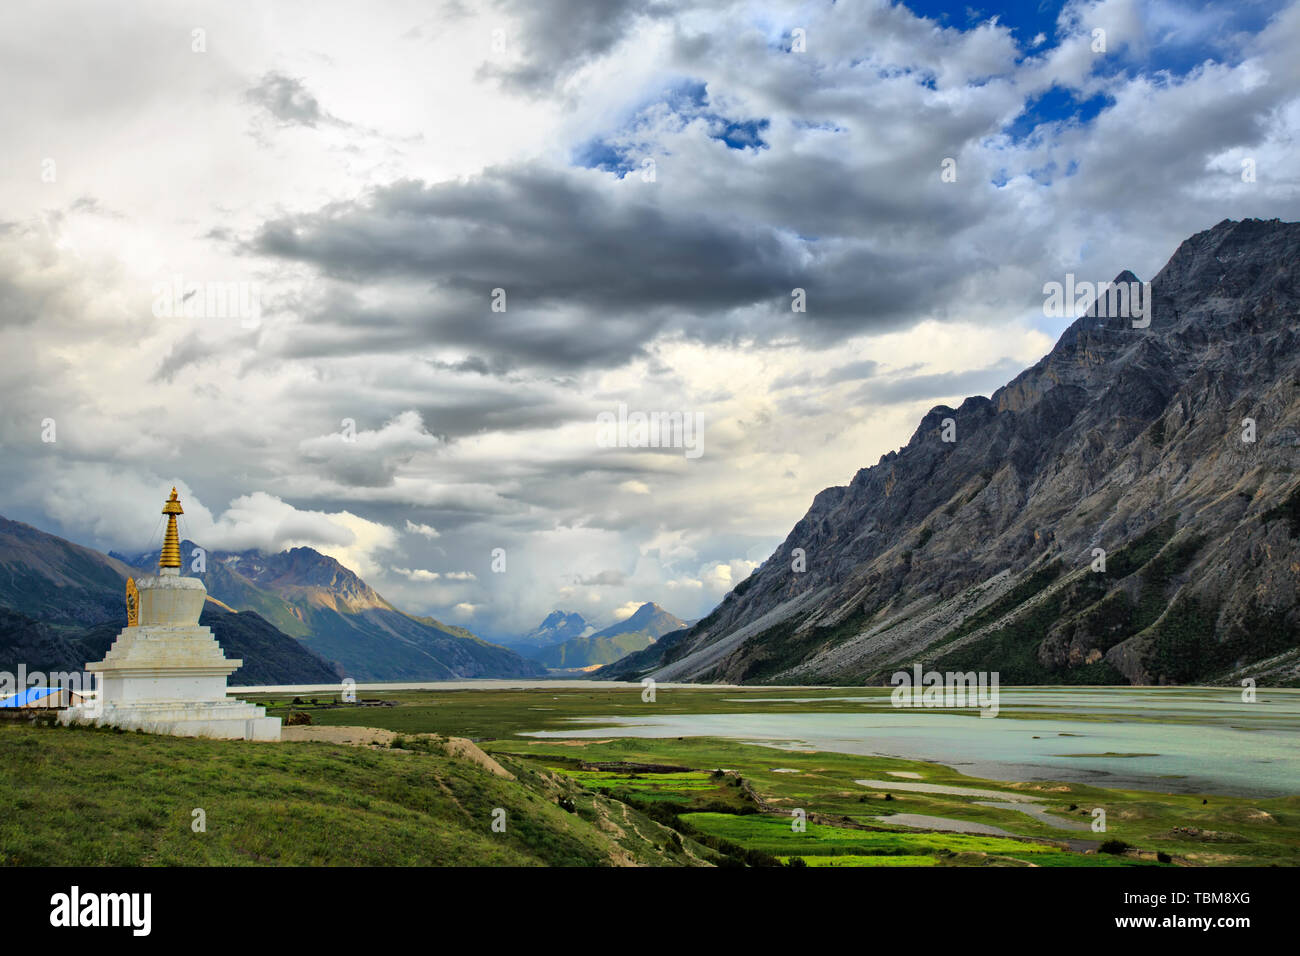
(1105, 517)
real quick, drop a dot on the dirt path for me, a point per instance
(357, 736)
(376, 737)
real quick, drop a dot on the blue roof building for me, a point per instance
(39, 697)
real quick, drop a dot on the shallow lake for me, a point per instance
(1175, 740)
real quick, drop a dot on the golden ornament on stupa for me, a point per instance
(171, 549)
(132, 603)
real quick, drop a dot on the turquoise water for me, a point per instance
(1187, 740)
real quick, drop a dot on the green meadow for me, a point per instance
(775, 835)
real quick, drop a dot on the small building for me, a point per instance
(45, 698)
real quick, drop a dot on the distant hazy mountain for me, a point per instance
(62, 605)
(640, 630)
(313, 597)
(1125, 511)
(558, 627)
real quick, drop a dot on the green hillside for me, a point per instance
(49, 579)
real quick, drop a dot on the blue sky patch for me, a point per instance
(598, 154)
(1057, 105)
(1026, 19)
(742, 135)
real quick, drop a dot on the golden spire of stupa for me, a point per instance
(171, 549)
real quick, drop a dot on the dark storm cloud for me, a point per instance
(547, 236)
(592, 270)
(455, 408)
(559, 37)
(510, 408)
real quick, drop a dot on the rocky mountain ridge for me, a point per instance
(1125, 511)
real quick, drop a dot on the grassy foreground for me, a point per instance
(96, 797)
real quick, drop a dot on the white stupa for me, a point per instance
(165, 673)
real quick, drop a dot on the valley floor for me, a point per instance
(399, 788)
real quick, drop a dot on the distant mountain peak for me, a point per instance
(559, 617)
(643, 613)
(589, 650)
(556, 628)
(649, 618)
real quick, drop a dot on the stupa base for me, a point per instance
(218, 719)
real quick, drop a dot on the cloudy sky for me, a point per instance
(646, 182)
